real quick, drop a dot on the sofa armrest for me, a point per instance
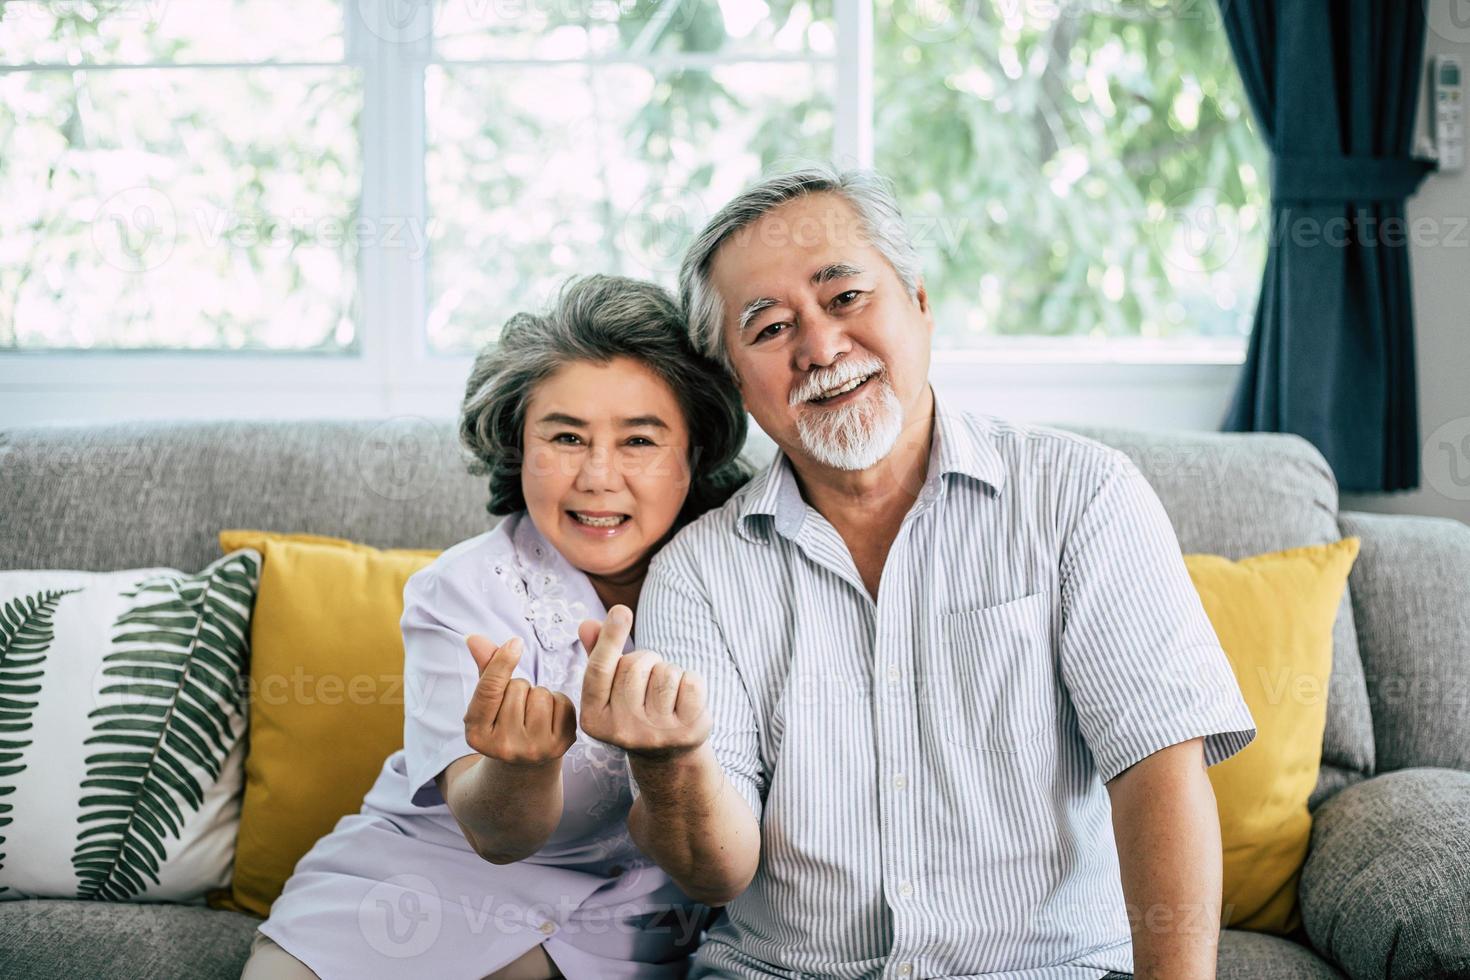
(1385, 890)
(1411, 602)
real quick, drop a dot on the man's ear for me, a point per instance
(925, 310)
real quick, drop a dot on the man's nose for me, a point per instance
(821, 339)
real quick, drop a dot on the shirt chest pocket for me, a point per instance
(992, 684)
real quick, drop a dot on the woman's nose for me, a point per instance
(598, 471)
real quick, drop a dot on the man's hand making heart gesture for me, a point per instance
(508, 719)
(638, 701)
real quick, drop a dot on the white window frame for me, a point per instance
(393, 371)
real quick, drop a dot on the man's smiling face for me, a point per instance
(830, 351)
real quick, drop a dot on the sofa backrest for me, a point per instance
(146, 493)
(150, 493)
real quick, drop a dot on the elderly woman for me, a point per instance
(494, 843)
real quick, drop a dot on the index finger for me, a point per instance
(602, 659)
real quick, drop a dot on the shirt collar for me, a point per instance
(961, 445)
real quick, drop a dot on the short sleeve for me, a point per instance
(1139, 657)
(439, 673)
(676, 621)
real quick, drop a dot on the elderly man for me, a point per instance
(950, 694)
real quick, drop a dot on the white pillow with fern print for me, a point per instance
(122, 722)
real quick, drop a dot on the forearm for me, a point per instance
(694, 823)
(507, 812)
(1168, 835)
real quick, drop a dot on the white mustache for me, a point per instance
(824, 379)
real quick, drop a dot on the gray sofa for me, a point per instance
(1386, 888)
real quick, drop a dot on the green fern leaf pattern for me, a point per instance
(166, 725)
(26, 632)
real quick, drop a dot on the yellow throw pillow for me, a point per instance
(1273, 614)
(326, 696)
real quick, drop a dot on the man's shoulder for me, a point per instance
(714, 534)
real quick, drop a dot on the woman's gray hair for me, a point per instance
(870, 195)
(597, 318)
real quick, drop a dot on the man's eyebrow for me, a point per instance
(837, 270)
(827, 273)
(752, 308)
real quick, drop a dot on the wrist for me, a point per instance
(503, 774)
(688, 777)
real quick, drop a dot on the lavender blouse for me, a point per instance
(395, 890)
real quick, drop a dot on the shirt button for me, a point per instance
(893, 674)
(900, 781)
(548, 927)
(905, 889)
(905, 969)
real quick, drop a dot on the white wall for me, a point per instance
(1441, 282)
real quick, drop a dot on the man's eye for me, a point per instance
(567, 439)
(640, 441)
(845, 297)
(770, 331)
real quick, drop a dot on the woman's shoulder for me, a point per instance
(465, 567)
(512, 572)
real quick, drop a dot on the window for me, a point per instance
(1074, 168)
(345, 178)
(164, 187)
(593, 135)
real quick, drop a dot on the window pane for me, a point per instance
(144, 31)
(1072, 172)
(190, 208)
(488, 29)
(537, 174)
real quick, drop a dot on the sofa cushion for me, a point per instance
(326, 707)
(122, 728)
(1240, 494)
(1411, 596)
(1258, 956)
(1385, 892)
(48, 939)
(1273, 614)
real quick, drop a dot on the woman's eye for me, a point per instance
(843, 298)
(640, 441)
(567, 439)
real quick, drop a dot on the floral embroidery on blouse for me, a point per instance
(552, 615)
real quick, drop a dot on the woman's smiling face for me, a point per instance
(606, 466)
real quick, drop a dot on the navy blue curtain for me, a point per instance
(1334, 86)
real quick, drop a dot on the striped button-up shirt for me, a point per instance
(928, 768)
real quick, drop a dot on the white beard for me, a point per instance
(854, 436)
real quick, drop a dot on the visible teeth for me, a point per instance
(613, 521)
(844, 389)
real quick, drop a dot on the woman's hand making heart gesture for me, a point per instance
(508, 719)
(638, 701)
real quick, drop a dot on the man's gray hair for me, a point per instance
(867, 192)
(598, 318)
